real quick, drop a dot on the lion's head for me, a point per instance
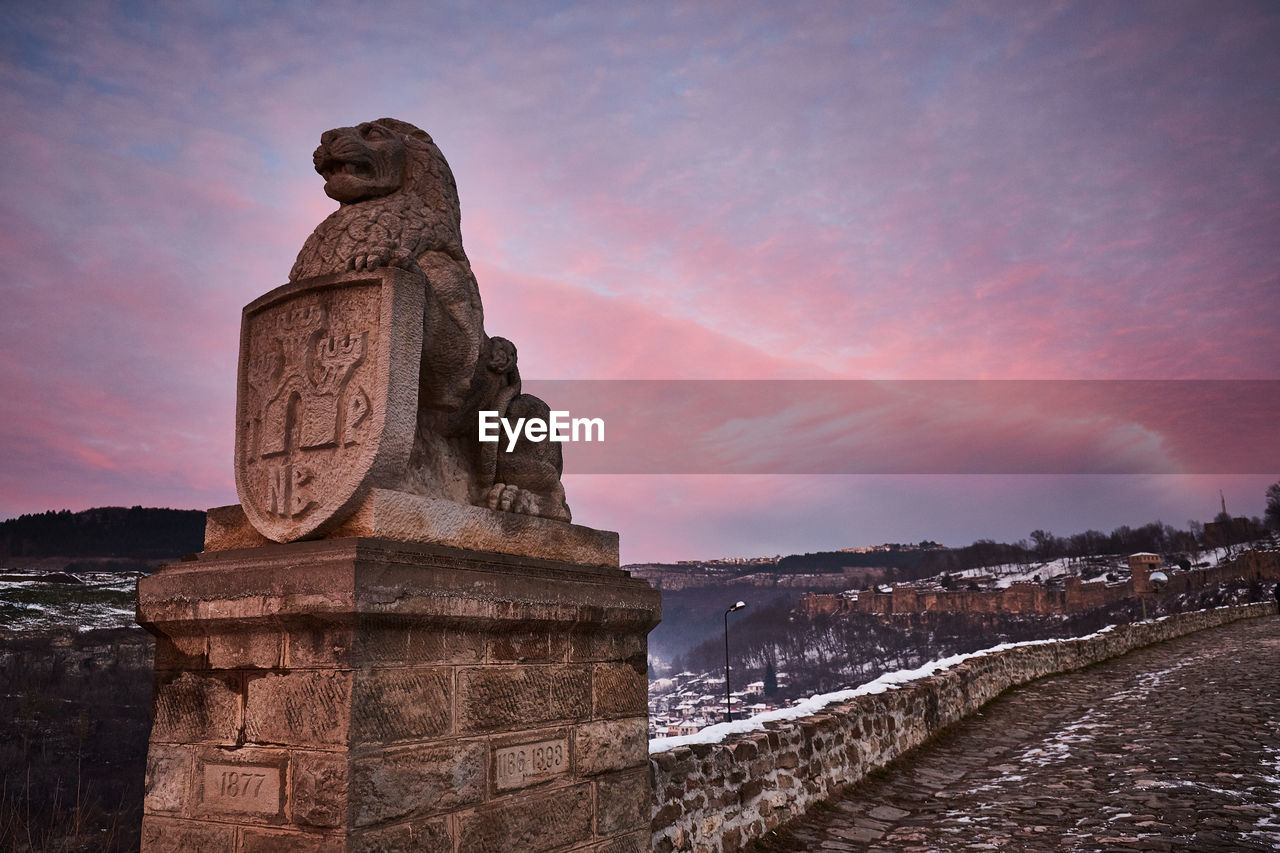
(379, 157)
(361, 162)
(389, 171)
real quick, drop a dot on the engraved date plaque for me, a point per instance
(528, 763)
(241, 788)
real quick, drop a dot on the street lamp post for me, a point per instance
(728, 702)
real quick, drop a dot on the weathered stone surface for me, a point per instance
(636, 842)
(268, 841)
(402, 704)
(319, 794)
(324, 646)
(392, 640)
(392, 839)
(182, 652)
(227, 528)
(621, 688)
(196, 708)
(305, 708)
(526, 647)
(407, 641)
(623, 801)
(491, 699)
(246, 649)
(542, 822)
(431, 836)
(413, 518)
(175, 835)
(168, 778)
(607, 745)
(404, 517)
(607, 646)
(304, 585)
(887, 813)
(417, 781)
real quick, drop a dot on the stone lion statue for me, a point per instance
(398, 206)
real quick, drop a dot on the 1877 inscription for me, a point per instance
(242, 788)
(517, 766)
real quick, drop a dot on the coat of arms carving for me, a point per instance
(328, 397)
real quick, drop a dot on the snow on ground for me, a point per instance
(1090, 569)
(1009, 573)
(28, 602)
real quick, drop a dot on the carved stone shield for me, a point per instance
(327, 397)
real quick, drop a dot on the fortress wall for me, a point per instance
(905, 599)
(1092, 595)
(823, 604)
(1030, 597)
(716, 798)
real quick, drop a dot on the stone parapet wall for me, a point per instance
(715, 798)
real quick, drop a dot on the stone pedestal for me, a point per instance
(366, 694)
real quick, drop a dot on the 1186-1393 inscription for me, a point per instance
(529, 763)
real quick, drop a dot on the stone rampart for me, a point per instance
(715, 798)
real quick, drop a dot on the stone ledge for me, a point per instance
(403, 517)
(336, 581)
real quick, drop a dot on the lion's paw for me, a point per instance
(383, 255)
(372, 257)
(512, 499)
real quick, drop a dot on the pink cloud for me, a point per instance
(921, 427)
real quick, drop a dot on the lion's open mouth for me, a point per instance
(329, 167)
(355, 168)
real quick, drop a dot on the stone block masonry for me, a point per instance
(716, 798)
(365, 694)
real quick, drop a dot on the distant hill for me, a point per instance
(136, 533)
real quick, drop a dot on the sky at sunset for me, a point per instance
(672, 191)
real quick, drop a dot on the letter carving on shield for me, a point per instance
(327, 397)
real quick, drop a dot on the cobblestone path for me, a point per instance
(1173, 747)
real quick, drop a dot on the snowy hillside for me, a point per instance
(80, 601)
